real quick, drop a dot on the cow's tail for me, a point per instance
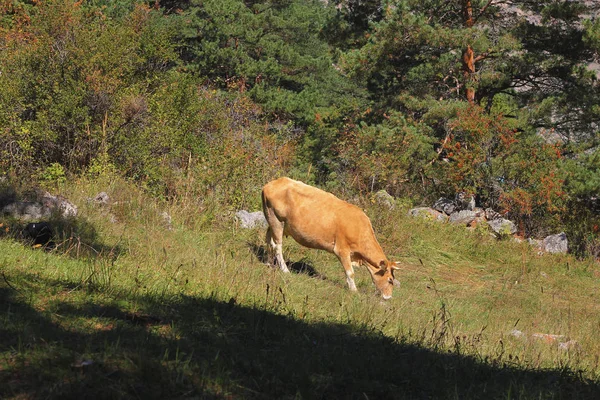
(264, 204)
(269, 256)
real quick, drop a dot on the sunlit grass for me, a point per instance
(134, 304)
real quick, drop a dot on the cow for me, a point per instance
(319, 220)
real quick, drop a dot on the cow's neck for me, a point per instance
(373, 257)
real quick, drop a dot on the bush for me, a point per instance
(65, 74)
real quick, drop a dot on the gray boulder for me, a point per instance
(480, 212)
(490, 214)
(167, 220)
(464, 217)
(464, 201)
(428, 213)
(26, 210)
(60, 205)
(502, 226)
(444, 205)
(250, 220)
(47, 206)
(101, 198)
(385, 199)
(556, 243)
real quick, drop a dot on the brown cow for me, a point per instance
(319, 220)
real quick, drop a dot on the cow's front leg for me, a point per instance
(347, 263)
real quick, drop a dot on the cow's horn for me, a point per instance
(396, 266)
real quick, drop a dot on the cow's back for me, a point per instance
(313, 217)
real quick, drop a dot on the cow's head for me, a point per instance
(384, 278)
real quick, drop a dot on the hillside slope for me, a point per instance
(126, 306)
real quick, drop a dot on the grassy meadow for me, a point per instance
(128, 306)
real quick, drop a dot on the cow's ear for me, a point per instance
(382, 265)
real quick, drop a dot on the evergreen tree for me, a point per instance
(496, 83)
(530, 55)
(270, 48)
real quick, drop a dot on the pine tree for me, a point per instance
(270, 48)
(504, 88)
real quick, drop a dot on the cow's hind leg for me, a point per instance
(275, 242)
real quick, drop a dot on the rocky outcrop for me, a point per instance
(463, 217)
(444, 205)
(503, 227)
(463, 211)
(428, 213)
(26, 210)
(556, 243)
(59, 204)
(45, 207)
(385, 199)
(249, 220)
(464, 201)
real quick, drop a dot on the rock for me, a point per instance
(47, 206)
(556, 243)
(444, 205)
(480, 212)
(491, 215)
(59, 204)
(26, 210)
(464, 201)
(571, 344)
(385, 199)
(503, 227)
(250, 220)
(535, 243)
(479, 220)
(547, 337)
(101, 198)
(428, 213)
(516, 333)
(167, 219)
(464, 217)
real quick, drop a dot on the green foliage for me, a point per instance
(272, 49)
(65, 76)
(347, 28)
(592, 34)
(529, 76)
(214, 97)
(54, 173)
(393, 155)
(583, 219)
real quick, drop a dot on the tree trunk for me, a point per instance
(468, 56)
(468, 61)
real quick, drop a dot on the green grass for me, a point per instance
(130, 309)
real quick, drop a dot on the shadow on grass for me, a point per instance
(73, 236)
(187, 347)
(300, 267)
